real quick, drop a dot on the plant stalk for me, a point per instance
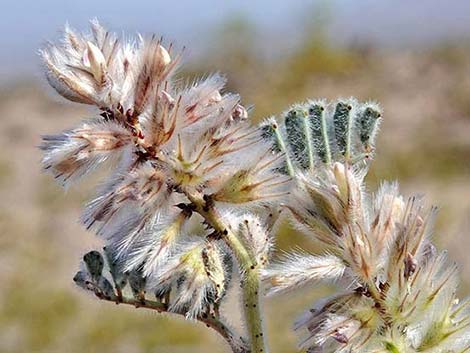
(209, 320)
(250, 284)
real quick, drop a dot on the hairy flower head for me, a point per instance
(163, 141)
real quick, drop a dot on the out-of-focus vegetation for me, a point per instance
(424, 143)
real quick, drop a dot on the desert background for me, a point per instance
(412, 58)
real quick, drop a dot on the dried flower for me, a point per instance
(175, 152)
(254, 235)
(297, 270)
(397, 294)
(76, 152)
(197, 275)
(162, 140)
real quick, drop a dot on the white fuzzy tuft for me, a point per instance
(297, 270)
(75, 153)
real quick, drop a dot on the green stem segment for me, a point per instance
(250, 288)
(250, 281)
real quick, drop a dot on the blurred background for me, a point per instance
(412, 57)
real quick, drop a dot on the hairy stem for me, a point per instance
(250, 278)
(209, 320)
(250, 287)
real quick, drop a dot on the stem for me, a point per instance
(250, 277)
(209, 320)
(250, 288)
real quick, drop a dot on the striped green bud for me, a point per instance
(367, 124)
(94, 263)
(342, 127)
(297, 136)
(319, 132)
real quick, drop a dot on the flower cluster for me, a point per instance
(195, 191)
(397, 292)
(164, 142)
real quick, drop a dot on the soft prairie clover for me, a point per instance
(189, 208)
(396, 291)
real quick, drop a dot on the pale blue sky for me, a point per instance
(26, 24)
